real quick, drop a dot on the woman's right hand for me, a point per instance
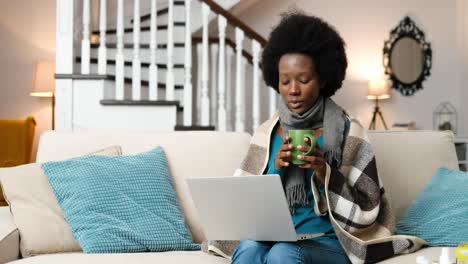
(284, 156)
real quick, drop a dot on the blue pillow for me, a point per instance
(120, 204)
(439, 214)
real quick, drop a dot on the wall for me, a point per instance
(365, 25)
(27, 31)
(462, 7)
(27, 34)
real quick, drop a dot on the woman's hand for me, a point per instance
(283, 156)
(314, 161)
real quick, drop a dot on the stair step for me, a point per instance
(129, 63)
(138, 102)
(144, 83)
(127, 102)
(161, 11)
(142, 29)
(145, 36)
(110, 90)
(108, 77)
(145, 54)
(179, 73)
(82, 76)
(142, 46)
(189, 128)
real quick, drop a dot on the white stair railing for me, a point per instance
(240, 126)
(136, 64)
(199, 49)
(153, 68)
(256, 84)
(85, 43)
(222, 23)
(273, 100)
(102, 51)
(214, 84)
(170, 92)
(229, 97)
(243, 98)
(188, 66)
(205, 101)
(220, 101)
(119, 57)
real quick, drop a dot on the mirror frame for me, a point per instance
(407, 29)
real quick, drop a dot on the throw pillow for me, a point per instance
(35, 210)
(439, 213)
(120, 204)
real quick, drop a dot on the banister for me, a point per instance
(233, 20)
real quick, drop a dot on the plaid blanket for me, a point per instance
(354, 199)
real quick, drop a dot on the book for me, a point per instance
(222, 248)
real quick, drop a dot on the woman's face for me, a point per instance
(298, 82)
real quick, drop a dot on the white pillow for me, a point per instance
(35, 209)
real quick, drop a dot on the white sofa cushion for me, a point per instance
(407, 160)
(189, 154)
(36, 212)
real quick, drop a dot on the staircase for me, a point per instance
(137, 76)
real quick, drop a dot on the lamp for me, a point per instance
(44, 82)
(378, 90)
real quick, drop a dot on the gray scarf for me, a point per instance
(324, 113)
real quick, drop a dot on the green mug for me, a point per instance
(296, 138)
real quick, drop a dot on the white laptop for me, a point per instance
(247, 207)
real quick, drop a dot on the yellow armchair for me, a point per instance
(16, 140)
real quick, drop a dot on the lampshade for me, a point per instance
(44, 79)
(378, 89)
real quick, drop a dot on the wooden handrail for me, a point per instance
(229, 42)
(235, 22)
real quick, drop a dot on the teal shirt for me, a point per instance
(304, 218)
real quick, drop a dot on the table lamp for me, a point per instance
(378, 90)
(44, 82)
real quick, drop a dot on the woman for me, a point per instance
(305, 62)
(337, 191)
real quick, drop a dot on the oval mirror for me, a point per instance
(407, 57)
(407, 60)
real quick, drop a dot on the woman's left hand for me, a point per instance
(314, 161)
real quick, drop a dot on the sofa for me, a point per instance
(406, 161)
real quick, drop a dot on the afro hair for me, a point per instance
(309, 35)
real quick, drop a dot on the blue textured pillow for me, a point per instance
(120, 204)
(439, 213)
